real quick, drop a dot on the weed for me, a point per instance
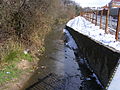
(25, 56)
(16, 56)
(10, 70)
(12, 56)
(8, 73)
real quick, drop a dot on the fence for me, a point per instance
(92, 16)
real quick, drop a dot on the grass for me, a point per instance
(11, 57)
(16, 56)
(8, 73)
(26, 56)
(9, 70)
(12, 51)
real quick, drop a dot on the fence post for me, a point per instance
(90, 17)
(101, 19)
(107, 17)
(96, 18)
(118, 26)
(87, 16)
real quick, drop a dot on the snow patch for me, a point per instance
(81, 25)
(87, 28)
(115, 83)
(71, 43)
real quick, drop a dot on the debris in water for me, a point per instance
(43, 67)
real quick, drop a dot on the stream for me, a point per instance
(62, 67)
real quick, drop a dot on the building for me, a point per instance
(114, 10)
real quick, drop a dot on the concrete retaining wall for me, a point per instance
(101, 59)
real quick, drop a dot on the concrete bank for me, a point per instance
(101, 59)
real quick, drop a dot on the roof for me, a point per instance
(116, 0)
(116, 3)
(92, 3)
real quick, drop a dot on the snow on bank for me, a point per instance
(81, 25)
(71, 43)
(85, 27)
(115, 84)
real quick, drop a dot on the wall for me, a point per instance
(101, 59)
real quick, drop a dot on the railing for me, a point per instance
(93, 17)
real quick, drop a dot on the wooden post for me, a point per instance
(87, 16)
(93, 17)
(84, 14)
(106, 25)
(118, 26)
(81, 14)
(101, 19)
(96, 18)
(90, 17)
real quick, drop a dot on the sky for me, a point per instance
(92, 3)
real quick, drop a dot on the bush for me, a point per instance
(25, 23)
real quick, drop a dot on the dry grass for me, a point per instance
(27, 27)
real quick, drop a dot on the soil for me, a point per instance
(28, 69)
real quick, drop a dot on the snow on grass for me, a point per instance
(87, 28)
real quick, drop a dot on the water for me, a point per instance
(65, 62)
(89, 80)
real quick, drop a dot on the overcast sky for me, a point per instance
(92, 3)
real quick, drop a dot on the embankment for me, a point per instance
(101, 59)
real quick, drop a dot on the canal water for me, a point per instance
(62, 67)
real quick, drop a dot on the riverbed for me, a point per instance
(62, 67)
